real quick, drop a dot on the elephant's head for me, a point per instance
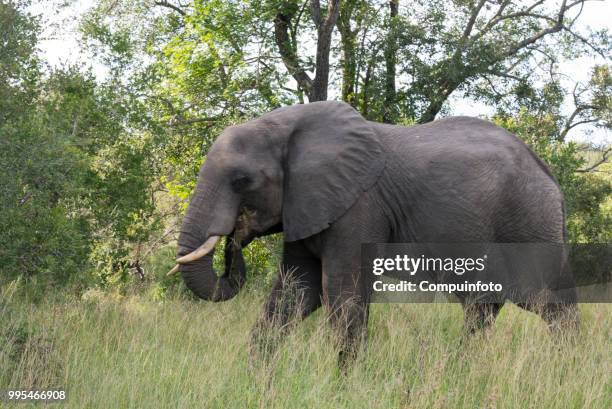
(299, 167)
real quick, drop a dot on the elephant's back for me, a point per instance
(475, 173)
(460, 141)
(457, 131)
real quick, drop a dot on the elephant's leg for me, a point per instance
(295, 295)
(480, 316)
(346, 291)
(557, 309)
(347, 304)
(558, 316)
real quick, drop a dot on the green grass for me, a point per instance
(131, 352)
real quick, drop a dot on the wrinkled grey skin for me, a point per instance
(331, 180)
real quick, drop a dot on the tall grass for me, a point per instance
(130, 352)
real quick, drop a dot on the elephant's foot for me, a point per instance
(351, 340)
(348, 354)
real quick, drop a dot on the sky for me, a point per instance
(60, 45)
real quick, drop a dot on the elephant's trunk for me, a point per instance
(201, 278)
(212, 213)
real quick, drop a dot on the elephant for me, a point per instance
(330, 180)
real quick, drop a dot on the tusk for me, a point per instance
(201, 251)
(174, 270)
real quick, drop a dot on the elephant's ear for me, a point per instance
(333, 156)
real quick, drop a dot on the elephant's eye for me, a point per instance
(240, 182)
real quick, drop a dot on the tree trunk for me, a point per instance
(348, 38)
(390, 109)
(325, 30)
(316, 88)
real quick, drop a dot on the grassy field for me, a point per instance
(130, 352)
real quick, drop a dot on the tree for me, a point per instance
(76, 164)
(38, 169)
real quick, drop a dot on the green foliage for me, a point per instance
(591, 217)
(40, 168)
(601, 100)
(18, 65)
(76, 166)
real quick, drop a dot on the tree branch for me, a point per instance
(495, 91)
(315, 12)
(171, 6)
(593, 168)
(296, 27)
(582, 110)
(24, 199)
(470, 25)
(179, 120)
(499, 16)
(282, 24)
(585, 42)
(530, 40)
(571, 126)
